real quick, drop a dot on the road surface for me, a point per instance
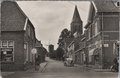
(56, 69)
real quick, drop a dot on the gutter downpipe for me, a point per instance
(102, 54)
(119, 45)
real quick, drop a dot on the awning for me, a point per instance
(91, 51)
(96, 51)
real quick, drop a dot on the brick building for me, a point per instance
(102, 33)
(18, 37)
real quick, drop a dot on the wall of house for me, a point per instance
(29, 41)
(110, 26)
(17, 37)
(110, 35)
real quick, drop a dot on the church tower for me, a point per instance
(76, 24)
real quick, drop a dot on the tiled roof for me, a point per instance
(106, 6)
(12, 17)
(101, 6)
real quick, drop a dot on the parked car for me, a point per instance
(68, 62)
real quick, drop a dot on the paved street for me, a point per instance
(56, 69)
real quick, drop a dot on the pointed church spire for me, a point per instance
(76, 24)
(76, 16)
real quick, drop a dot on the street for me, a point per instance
(56, 69)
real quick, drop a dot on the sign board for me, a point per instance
(106, 45)
(34, 51)
(7, 49)
(4, 52)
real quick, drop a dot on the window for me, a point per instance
(10, 43)
(28, 30)
(89, 33)
(117, 3)
(4, 43)
(7, 51)
(96, 29)
(0, 43)
(117, 49)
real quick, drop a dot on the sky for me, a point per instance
(51, 17)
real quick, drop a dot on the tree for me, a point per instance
(64, 34)
(60, 53)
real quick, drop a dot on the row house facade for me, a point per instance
(98, 45)
(77, 50)
(64, 44)
(17, 37)
(102, 33)
(80, 52)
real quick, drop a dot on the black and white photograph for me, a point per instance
(59, 38)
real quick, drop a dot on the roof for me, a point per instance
(100, 6)
(38, 43)
(76, 16)
(12, 17)
(105, 6)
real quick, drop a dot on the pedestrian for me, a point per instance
(37, 63)
(115, 66)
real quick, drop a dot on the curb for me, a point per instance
(6, 73)
(94, 69)
(44, 68)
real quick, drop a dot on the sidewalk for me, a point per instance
(42, 66)
(90, 67)
(6, 73)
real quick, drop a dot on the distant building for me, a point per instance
(51, 48)
(41, 51)
(18, 37)
(52, 53)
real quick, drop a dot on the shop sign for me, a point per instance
(97, 44)
(106, 45)
(6, 49)
(34, 51)
(4, 52)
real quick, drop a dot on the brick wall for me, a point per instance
(12, 18)
(17, 37)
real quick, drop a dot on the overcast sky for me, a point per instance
(51, 17)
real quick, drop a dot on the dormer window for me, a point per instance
(117, 3)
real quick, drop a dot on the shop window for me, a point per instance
(7, 54)
(7, 51)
